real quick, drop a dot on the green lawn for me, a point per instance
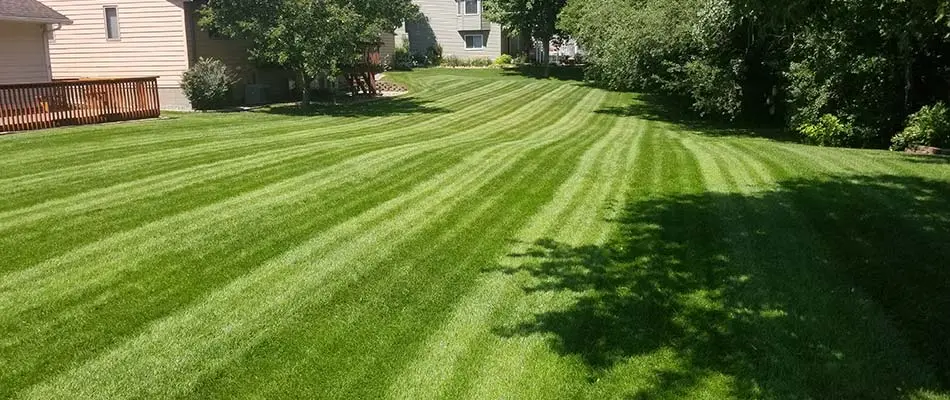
(488, 236)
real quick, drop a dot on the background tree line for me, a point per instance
(843, 72)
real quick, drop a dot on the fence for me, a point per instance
(77, 102)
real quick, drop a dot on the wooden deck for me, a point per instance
(77, 102)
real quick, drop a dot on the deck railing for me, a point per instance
(77, 102)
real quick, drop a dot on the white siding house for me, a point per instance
(24, 25)
(459, 27)
(122, 39)
(139, 38)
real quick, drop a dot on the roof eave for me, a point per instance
(63, 21)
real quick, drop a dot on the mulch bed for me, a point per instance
(927, 150)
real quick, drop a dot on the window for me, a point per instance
(474, 42)
(469, 7)
(112, 22)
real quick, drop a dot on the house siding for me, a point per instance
(23, 57)
(152, 43)
(441, 26)
(387, 48)
(234, 54)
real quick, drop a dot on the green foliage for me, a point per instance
(828, 130)
(434, 54)
(310, 37)
(928, 127)
(207, 84)
(402, 59)
(870, 62)
(479, 62)
(715, 91)
(431, 57)
(533, 18)
(660, 46)
(504, 59)
(454, 61)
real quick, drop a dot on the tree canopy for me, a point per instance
(533, 18)
(310, 37)
(868, 63)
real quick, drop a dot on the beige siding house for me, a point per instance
(459, 27)
(24, 25)
(135, 38)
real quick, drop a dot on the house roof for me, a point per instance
(30, 11)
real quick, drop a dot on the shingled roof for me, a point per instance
(30, 11)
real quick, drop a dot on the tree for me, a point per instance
(534, 18)
(867, 63)
(310, 37)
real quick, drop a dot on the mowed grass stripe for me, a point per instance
(494, 248)
(194, 221)
(84, 304)
(410, 286)
(543, 372)
(41, 224)
(239, 164)
(143, 165)
(171, 236)
(382, 280)
(451, 355)
(739, 220)
(249, 135)
(96, 144)
(280, 285)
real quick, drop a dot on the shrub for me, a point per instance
(504, 59)
(402, 60)
(434, 55)
(420, 60)
(452, 61)
(831, 131)
(207, 84)
(928, 127)
(714, 90)
(479, 62)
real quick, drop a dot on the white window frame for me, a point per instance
(118, 26)
(480, 35)
(462, 7)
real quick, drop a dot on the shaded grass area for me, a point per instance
(678, 113)
(561, 73)
(374, 107)
(778, 314)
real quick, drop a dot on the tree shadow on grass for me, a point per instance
(819, 289)
(556, 72)
(678, 113)
(927, 159)
(372, 107)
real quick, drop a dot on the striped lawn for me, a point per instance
(486, 236)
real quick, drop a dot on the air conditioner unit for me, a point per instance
(257, 94)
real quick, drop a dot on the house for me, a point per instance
(24, 26)
(460, 28)
(133, 38)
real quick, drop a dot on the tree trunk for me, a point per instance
(908, 72)
(546, 56)
(304, 90)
